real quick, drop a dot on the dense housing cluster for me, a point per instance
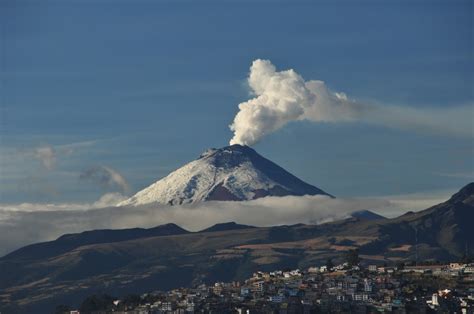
(340, 289)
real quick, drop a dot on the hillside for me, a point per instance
(34, 280)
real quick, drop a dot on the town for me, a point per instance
(345, 288)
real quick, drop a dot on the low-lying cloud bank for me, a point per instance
(29, 223)
(284, 96)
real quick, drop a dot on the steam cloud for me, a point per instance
(283, 97)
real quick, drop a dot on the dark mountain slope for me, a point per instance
(38, 282)
(447, 225)
(226, 226)
(69, 242)
(367, 215)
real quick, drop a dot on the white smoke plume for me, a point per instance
(283, 97)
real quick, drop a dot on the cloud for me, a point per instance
(399, 204)
(106, 177)
(30, 223)
(106, 200)
(283, 97)
(109, 199)
(47, 155)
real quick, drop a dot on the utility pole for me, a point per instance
(466, 253)
(416, 246)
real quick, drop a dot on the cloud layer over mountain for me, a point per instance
(31, 223)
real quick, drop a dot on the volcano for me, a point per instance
(231, 173)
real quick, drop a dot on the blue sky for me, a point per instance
(143, 87)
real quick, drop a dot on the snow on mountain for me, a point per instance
(231, 173)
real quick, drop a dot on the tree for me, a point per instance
(465, 259)
(352, 257)
(97, 303)
(62, 309)
(131, 300)
(400, 265)
(329, 264)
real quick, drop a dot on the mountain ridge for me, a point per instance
(226, 226)
(367, 214)
(71, 241)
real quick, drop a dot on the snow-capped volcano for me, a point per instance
(232, 173)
